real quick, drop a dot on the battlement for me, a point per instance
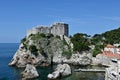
(55, 29)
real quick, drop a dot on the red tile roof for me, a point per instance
(107, 52)
(110, 46)
(111, 55)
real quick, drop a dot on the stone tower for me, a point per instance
(55, 29)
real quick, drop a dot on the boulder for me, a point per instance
(95, 61)
(58, 58)
(22, 58)
(30, 72)
(80, 59)
(61, 71)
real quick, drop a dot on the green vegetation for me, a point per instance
(97, 50)
(67, 53)
(40, 35)
(25, 43)
(30, 35)
(112, 36)
(96, 39)
(33, 50)
(81, 42)
(49, 35)
(42, 52)
(100, 40)
(57, 36)
(25, 46)
(109, 37)
(37, 36)
(64, 42)
(23, 40)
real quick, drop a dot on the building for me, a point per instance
(112, 49)
(55, 29)
(109, 55)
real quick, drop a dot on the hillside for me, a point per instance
(108, 37)
(101, 40)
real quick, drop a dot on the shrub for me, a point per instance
(64, 42)
(97, 50)
(33, 50)
(38, 36)
(30, 35)
(42, 35)
(67, 54)
(25, 46)
(41, 50)
(58, 37)
(23, 40)
(49, 35)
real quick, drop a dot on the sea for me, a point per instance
(7, 50)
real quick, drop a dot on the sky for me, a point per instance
(83, 16)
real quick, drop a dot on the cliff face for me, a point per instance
(42, 50)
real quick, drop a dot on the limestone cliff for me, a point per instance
(41, 50)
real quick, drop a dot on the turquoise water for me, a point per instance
(7, 50)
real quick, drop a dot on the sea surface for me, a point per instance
(7, 50)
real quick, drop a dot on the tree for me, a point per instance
(112, 37)
(97, 50)
(80, 42)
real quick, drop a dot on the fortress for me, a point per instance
(55, 29)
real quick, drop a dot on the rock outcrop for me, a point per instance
(82, 59)
(103, 60)
(30, 72)
(22, 57)
(61, 71)
(41, 50)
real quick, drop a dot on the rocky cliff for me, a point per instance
(42, 50)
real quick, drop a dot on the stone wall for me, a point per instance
(55, 29)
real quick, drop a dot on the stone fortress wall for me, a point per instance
(55, 29)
